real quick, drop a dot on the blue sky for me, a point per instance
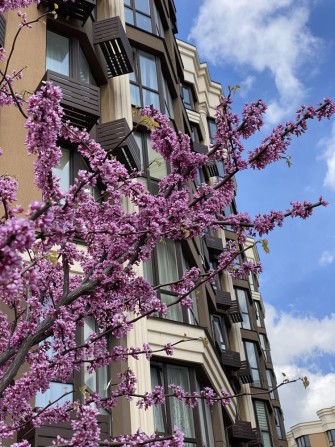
(283, 52)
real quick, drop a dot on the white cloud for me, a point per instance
(297, 340)
(246, 85)
(329, 155)
(270, 35)
(326, 258)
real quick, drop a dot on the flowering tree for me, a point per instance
(43, 303)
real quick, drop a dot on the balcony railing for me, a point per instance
(115, 137)
(241, 431)
(79, 10)
(257, 441)
(244, 373)
(2, 30)
(223, 300)
(45, 435)
(110, 35)
(231, 360)
(213, 243)
(81, 102)
(235, 314)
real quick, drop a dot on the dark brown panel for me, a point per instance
(241, 431)
(223, 300)
(200, 148)
(214, 243)
(244, 373)
(110, 35)
(2, 30)
(45, 435)
(234, 312)
(257, 440)
(79, 10)
(81, 102)
(115, 137)
(231, 360)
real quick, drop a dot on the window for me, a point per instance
(220, 333)
(242, 297)
(187, 96)
(212, 130)
(148, 86)
(55, 392)
(170, 265)
(71, 162)
(197, 423)
(252, 356)
(258, 311)
(331, 437)
(263, 423)
(152, 163)
(271, 383)
(144, 14)
(195, 133)
(65, 56)
(277, 414)
(264, 345)
(303, 441)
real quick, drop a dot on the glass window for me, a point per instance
(258, 311)
(303, 441)
(331, 437)
(212, 130)
(53, 393)
(264, 345)
(148, 86)
(277, 415)
(187, 97)
(65, 56)
(251, 352)
(242, 297)
(175, 413)
(220, 334)
(62, 171)
(144, 14)
(58, 53)
(263, 423)
(269, 378)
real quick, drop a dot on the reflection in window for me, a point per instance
(277, 415)
(187, 97)
(242, 297)
(263, 423)
(269, 378)
(212, 130)
(251, 352)
(175, 413)
(55, 392)
(152, 163)
(144, 14)
(331, 437)
(147, 84)
(220, 333)
(58, 53)
(303, 441)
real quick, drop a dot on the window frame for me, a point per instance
(303, 441)
(247, 322)
(267, 421)
(194, 384)
(74, 55)
(165, 99)
(153, 17)
(188, 88)
(254, 367)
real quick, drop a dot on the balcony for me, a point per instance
(116, 138)
(258, 440)
(231, 360)
(79, 10)
(81, 102)
(235, 314)
(244, 374)
(2, 30)
(45, 435)
(241, 431)
(200, 148)
(212, 169)
(214, 243)
(223, 300)
(113, 41)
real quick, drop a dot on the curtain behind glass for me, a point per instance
(148, 71)
(167, 262)
(156, 380)
(62, 171)
(58, 53)
(181, 415)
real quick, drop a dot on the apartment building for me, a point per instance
(111, 57)
(319, 433)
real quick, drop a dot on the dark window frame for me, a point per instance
(189, 103)
(252, 367)
(156, 23)
(303, 441)
(247, 313)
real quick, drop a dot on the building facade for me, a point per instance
(111, 57)
(320, 433)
